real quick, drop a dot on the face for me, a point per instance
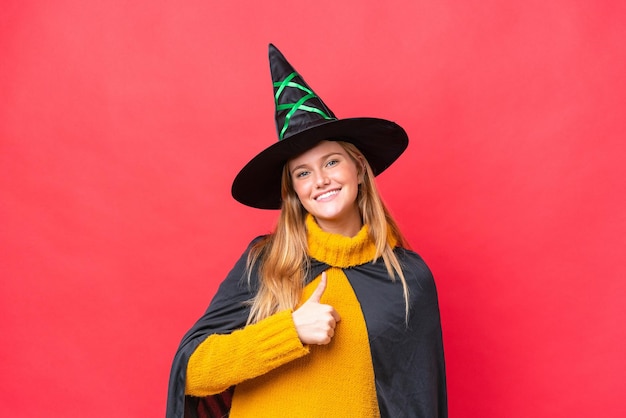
(326, 180)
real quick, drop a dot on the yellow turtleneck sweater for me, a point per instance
(275, 375)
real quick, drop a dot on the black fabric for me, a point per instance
(408, 357)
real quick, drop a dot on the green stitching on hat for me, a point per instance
(299, 105)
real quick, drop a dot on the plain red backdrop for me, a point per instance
(123, 123)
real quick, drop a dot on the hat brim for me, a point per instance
(258, 184)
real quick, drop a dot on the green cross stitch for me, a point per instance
(299, 105)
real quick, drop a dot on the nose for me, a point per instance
(321, 180)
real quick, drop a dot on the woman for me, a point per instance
(330, 315)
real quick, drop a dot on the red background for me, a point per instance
(123, 123)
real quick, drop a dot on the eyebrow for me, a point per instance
(322, 158)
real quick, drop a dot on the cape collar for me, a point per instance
(338, 250)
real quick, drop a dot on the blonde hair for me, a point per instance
(282, 258)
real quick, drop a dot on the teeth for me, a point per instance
(327, 194)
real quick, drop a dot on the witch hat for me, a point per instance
(303, 120)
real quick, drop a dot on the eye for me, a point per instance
(301, 174)
(332, 163)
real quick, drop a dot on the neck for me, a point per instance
(347, 226)
(339, 250)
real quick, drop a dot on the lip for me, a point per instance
(328, 194)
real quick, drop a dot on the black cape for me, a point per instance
(408, 358)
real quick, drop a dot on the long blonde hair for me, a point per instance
(282, 256)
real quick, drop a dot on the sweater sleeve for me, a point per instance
(223, 360)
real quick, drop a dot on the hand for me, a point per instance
(315, 322)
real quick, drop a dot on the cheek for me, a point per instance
(300, 188)
(351, 177)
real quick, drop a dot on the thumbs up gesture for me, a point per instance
(315, 322)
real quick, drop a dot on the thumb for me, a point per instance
(319, 290)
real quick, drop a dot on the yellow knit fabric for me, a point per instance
(338, 250)
(334, 380)
(224, 360)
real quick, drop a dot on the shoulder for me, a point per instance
(414, 266)
(256, 240)
(409, 257)
(255, 245)
(236, 280)
(249, 260)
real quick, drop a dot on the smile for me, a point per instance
(327, 194)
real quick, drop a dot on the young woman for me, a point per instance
(330, 315)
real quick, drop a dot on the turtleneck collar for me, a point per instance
(338, 250)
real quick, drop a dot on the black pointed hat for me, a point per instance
(303, 120)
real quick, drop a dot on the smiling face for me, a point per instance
(326, 180)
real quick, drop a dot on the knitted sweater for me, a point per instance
(275, 375)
